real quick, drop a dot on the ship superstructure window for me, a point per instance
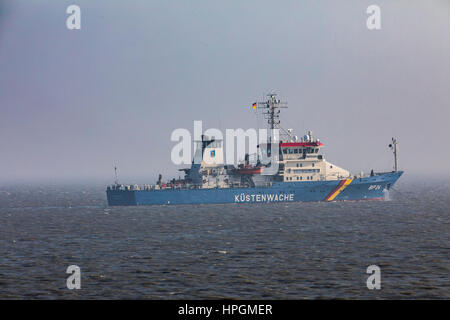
(306, 170)
(295, 150)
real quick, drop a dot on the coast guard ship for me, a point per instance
(303, 174)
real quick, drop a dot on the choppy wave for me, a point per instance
(252, 251)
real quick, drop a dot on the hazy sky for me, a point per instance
(73, 102)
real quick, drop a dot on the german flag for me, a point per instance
(254, 105)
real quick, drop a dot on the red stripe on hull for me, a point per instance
(335, 189)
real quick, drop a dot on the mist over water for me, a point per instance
(75, 102)
(268, 251)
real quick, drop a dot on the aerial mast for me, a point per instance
(271, 112)
(393, 147)
(116, 181)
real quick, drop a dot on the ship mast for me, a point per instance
(271, 113)
(116, 181)
(393, 147)
(270, 110)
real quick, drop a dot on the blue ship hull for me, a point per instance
(367, 188)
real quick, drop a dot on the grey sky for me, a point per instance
(72, 103)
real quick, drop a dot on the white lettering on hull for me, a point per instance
(263, 197)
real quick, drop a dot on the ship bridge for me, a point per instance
(295, 150)
(302, 160)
